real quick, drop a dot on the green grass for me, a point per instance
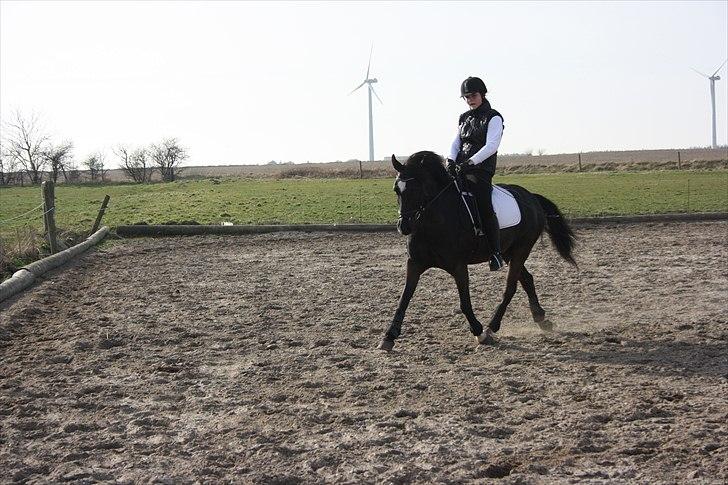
(627, 193)
(245, 201)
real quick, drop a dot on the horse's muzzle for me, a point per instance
(403, 226)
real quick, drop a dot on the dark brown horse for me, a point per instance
(432, 214)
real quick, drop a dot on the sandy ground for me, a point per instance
(252, 359)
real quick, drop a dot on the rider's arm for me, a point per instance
(455, 147)
(495, 133)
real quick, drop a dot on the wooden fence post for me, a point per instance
(678, 160)
(580, 162)
(49, 214)
(101, 214)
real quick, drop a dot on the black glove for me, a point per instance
(452, 167)
(464, 167)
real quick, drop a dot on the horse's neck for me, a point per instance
(445, 209)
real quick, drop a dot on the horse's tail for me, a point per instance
(558, 229)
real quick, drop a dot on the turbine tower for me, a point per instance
(713, 79)
(371, 90)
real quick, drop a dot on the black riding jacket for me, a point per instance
(473, 127)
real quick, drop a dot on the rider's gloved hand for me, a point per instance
(464, 167)
(451, 167)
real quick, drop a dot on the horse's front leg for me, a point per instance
(462, 280)
(414, 271)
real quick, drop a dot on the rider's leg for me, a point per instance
(471, 184)
(490, 221)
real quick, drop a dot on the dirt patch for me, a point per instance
(251, 359)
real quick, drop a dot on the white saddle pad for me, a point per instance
(506, 207)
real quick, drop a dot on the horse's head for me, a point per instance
(419, 181)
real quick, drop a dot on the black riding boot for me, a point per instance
(489, 220)
(492, 232)
(490, 223)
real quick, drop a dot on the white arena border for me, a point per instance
(164, 230)
(26, 275)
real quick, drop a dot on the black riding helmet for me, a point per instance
(473, 85)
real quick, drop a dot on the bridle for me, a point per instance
(413, 216)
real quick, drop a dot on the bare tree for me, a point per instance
(26, 144)
(71, 173)
(94, 163)
(8, 167)
(123, 154)
(168, 157)
(57, 157)
(140, 159)
(135, 163)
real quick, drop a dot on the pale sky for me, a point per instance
(247, 82)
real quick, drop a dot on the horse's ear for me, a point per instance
(397, 166)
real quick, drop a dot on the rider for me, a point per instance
(475, 150)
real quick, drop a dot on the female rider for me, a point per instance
(474, 151)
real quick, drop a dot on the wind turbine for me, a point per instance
(369, 81)
(713, 79)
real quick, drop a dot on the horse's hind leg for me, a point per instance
(414, 271)
(514, 274)
(527, 282)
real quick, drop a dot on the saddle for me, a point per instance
(504, 204)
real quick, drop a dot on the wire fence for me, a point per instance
(21, 239)
(32, 234)
(16, 218)
(23, 229)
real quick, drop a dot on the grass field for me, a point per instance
(246, 201)
(281, 201)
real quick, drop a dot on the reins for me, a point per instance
(416, 214)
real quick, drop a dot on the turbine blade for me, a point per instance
(375, 94)
(704, 75)
(362, 84)
(721, 66)
(370, 61)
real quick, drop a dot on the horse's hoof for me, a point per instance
(539, 317)
(546, 325)
(386, 344)
(486, 338)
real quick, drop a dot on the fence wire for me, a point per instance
(40, 206)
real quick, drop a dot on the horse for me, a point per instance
(440, 235)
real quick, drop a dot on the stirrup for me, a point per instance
(496, 262)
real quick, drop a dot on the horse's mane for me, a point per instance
(430, 162)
